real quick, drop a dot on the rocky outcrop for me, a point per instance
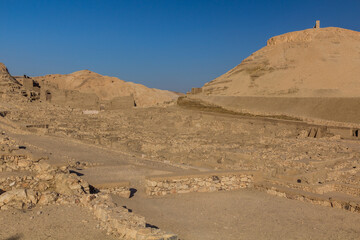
(43, 185)
(7, 82)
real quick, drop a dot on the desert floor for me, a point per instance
(243, 214)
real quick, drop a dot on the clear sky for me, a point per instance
(172, 44)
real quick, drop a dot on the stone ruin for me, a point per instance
(27, 181)
(317, 24)
(41, 91)
(46, 184)
(31, 89)
(196, 90)
(47, 92)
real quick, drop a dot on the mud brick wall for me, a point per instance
(204, 182)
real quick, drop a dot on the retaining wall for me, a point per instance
(325, 195)
(339, 109)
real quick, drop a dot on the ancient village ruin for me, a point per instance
(101, 154)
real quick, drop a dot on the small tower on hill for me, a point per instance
(317, 24)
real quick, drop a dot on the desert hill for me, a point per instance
(310, 63)
(107, 88)
(5, 78)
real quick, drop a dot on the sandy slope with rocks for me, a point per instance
(107, 88)
(310, 63)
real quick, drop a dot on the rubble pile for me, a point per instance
(277, 149)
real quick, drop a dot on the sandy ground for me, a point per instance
(244, 214)
(50, 222)
(222, 215)
(112, 166)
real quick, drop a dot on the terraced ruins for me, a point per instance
(183, 168)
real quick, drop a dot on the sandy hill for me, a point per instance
(107, 88)
(313, 62)
(5, 78)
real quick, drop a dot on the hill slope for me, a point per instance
(5, 78)
(310, 63)
(107, 88)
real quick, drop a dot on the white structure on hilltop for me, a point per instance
(317, 24)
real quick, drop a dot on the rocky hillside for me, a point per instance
(107, 88)
(309, 63)
(5, 78)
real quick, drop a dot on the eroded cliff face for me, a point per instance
(309, 63)
(3, 68)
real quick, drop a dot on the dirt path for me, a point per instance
(110, 165)
(244, 214)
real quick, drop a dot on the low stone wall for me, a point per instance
(348, 189)
(46, 184)
(121, 189)
(335, 201)
(120, 222)
(200, 182)
(27, 182)
(12, 162)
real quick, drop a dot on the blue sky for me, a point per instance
(171, 44)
